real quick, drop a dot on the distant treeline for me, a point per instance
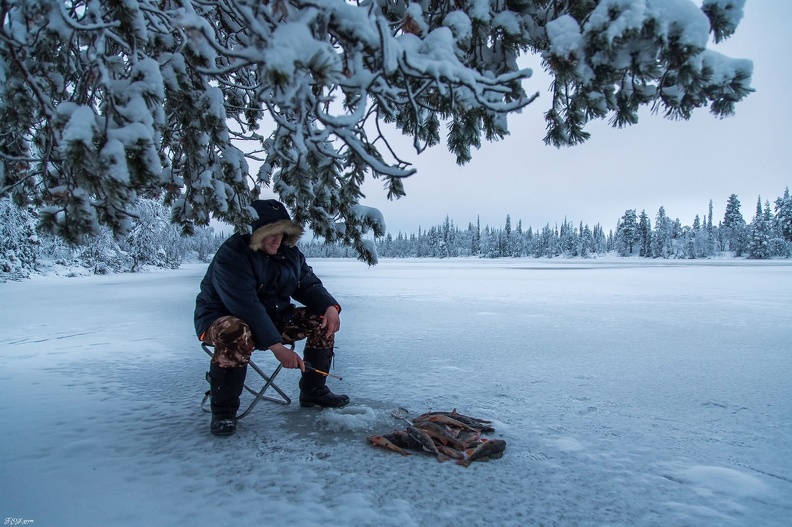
(768, 234)
(152, 241)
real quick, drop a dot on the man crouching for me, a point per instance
(245, 304)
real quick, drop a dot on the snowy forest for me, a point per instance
(153, 241)
(767, 234)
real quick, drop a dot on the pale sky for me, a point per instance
(675, 164)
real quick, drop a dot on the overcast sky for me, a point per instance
(675, 164)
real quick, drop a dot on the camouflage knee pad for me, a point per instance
(232, 341)
(305, 324)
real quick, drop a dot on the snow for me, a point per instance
(630, 392)
(80, 127)
(148, 80)
(369, 215)
(434, 55)
(285, 54)
(678, 18)
(460, 25)
(480, 10)
(113, 156)
(508, 22)
(564, 36)
(414, 12)
(683, 19)
(724, 68)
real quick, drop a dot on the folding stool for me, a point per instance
(258, 395)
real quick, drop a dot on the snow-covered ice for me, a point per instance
(629, 393)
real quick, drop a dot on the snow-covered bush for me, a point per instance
(103, 255)
(19, 244)
(779, 248)
(152, 239)
(203, 244)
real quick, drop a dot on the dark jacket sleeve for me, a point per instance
(310, 291)
(235, 283)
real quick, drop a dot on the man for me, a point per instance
(245, 304)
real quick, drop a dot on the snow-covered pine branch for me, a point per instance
(107, 102)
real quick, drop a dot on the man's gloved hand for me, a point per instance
(287, 357)
(331, 322)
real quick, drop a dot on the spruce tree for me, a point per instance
(627, 231)
(734, 226)
(645, 235)
(519, 242)
(783, 216)
(760, 232)
(662, 240)
(475, 243)
(733, 217)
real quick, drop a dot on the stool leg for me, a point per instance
(225, 387)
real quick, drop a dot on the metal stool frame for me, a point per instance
(258, 395)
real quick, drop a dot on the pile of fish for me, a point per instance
(447, 435)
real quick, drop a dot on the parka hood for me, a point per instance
(273, 218)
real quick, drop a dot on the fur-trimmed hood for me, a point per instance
(273, 218)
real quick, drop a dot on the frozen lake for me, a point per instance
(630, 392)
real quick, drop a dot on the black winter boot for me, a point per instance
(225, 387)
(313, 391)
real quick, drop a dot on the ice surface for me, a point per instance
(646, 393)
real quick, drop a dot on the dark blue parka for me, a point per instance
(247, 283)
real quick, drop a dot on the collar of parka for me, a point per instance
(291, 233)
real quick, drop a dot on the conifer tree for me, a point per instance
(600, 239)
(205, 104)
(734, 226)
(530, 240)
(475, 242)
(663, 235)
(627, 231)
(760, 232)
(519, 242)
(783, 216)
(645, 235)
(733, 217)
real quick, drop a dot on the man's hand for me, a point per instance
(331, 322)
(287, 357)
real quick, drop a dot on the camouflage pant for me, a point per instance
(233, 340)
